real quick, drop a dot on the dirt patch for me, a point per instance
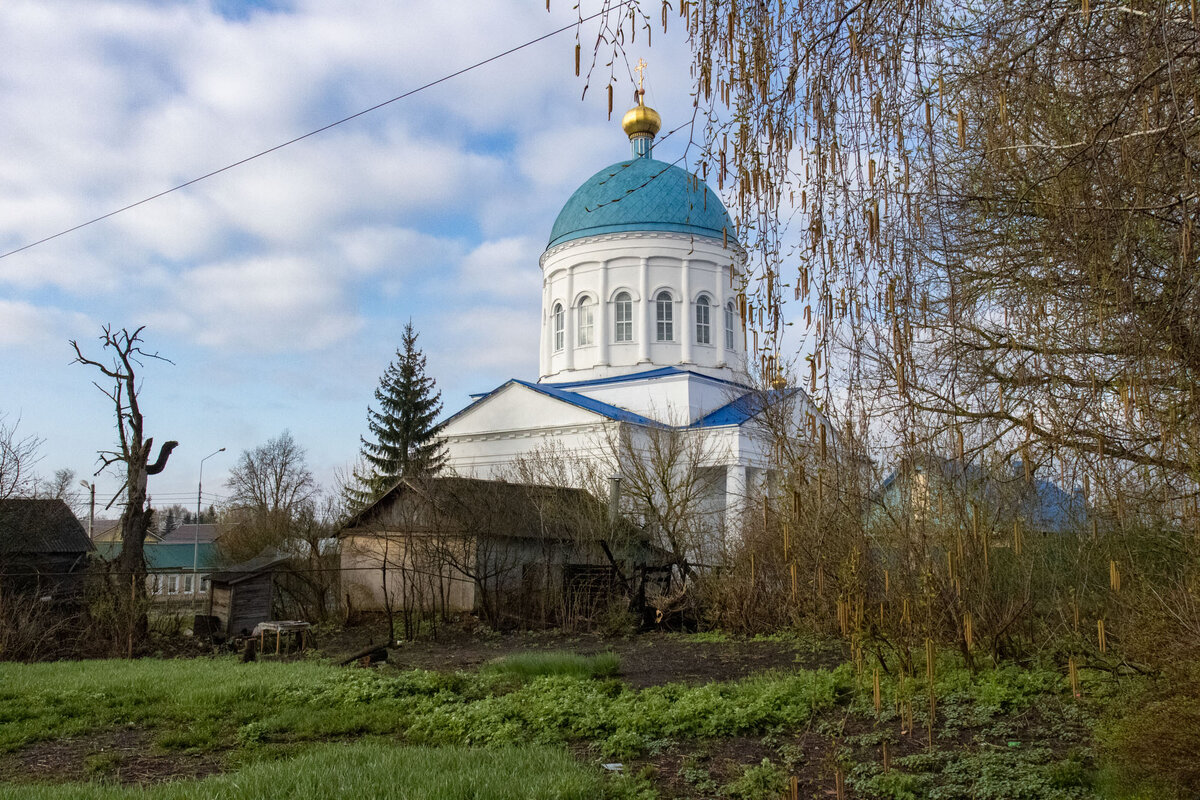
(655, 659)
(125, 756)
(649, 659)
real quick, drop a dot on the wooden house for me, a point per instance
(43, 548)
(512, 552)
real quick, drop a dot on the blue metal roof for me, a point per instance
(656, 372)
(575, 399)
(744, 408)
(735, 413)
(642, 194)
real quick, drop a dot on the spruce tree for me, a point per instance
(406, 437)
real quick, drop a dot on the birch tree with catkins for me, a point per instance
(978, 219)
(991, 204)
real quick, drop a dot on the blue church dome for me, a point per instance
(642, 194)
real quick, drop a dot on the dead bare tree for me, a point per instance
(125, 354)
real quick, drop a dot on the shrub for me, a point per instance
(252, 734)
(762, 782)
(1156, 742)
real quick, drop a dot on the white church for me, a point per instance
(641, 326)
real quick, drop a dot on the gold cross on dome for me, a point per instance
(640, 69)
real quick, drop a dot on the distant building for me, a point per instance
(43, 549)
(109, 530)
(170, 580)
(205, 533)
(932, 491)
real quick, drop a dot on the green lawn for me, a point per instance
(369, 770)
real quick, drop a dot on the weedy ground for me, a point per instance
(539, 718)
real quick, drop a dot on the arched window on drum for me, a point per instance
(623, 317)
(559, 321)
(664, 317)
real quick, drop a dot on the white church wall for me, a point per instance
(497, 456)
(642, 264)
(515, 408)
(674, 399)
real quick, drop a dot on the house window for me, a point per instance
(172, 584)
(187, 584)
(729, 318)
(703, 321)
(204, 584)
(665, 317)
(559, 327)
(586, 319)
(623, 317)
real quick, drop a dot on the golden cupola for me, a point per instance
(641, 120)
(641, 123)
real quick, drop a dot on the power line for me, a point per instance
(322, 129)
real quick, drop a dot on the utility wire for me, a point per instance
(322, 129)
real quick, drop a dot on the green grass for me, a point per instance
(370, 769)
(211, 704)
(1032, 773)
(180, 699)
(251, 716)
(534, 664)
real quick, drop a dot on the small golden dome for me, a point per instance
(641, 119)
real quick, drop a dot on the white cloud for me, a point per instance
(38, 327)
(505, 268)
(267, 304)
(486, 345)
(305, 262)
(393, 252)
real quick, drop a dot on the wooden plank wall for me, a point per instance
(251, 604)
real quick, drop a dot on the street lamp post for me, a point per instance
(196, 532)
(92, 512)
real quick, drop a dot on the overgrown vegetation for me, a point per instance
(1006, 732)
(982, 216)
(211, 703)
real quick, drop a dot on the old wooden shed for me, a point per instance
(244, 595)
(515, 553)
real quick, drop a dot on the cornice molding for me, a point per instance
(738, 251)
(530, 433)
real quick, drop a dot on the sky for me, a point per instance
(279, 289)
